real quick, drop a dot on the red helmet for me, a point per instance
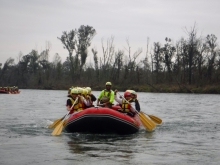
(126, 94)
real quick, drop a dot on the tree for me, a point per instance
(6, 71)
(95, 58)
(85, 35)
(211, 43)
(157, 59)
(78, 41)
(192, 49)
(57, 67)
(68, 39)
(168, 51)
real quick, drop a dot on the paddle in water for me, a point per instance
(156, 119)
(56, 122)
(58, 129)
(59, 126)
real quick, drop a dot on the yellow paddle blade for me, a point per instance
(146, 124)
(64, 122)
(58, 129)
(156, 119)
(149, 124)
(55, 123)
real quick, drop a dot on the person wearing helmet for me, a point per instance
(74, 97)
(134, 97)
(82, 92)
(91, 98)
(69, 90)
(106, 97)
(127, 103)
(85, 99)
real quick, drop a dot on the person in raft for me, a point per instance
(134, 97)
(88, 102)
(76, 98)
(127, 103)
(91, 98)
(106, 97)
(81, 94)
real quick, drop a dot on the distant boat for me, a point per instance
(8, 92)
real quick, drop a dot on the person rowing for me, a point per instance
(127, 103)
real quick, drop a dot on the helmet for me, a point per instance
(89, 89)
(132, 92)
(84, 91)
(108, 83)
(126, 94)
(80, 90)
(74, 91)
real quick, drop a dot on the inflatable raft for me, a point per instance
(3, 92)
(102, 120)
(7, 92)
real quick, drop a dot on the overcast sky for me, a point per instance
(30, 24)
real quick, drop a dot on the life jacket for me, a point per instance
(125, 106)
(106, 96)
(78, 106)
(109, 93)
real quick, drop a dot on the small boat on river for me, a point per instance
(9, 90)
(102, 120)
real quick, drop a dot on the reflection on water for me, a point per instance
(110, 146)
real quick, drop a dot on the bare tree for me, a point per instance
(108, 54)
(212, 46)
(192, 46)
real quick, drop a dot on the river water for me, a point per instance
(189, 134)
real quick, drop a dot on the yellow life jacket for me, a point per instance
(126, 106)
(78, 106)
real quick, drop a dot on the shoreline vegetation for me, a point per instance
(162, 88)
(188, 65)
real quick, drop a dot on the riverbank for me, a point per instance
(163, 88)
(184, 89)
(158, 88)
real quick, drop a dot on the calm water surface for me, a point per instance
(190, 133)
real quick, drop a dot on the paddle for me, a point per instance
(146, 122)
(156, 119)
(56, 122)
(58, 129)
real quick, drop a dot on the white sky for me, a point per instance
(29, 24)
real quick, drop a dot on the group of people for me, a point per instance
(9, 90)
(79, 99)
(82, 98)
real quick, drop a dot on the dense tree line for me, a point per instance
(194, 61)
